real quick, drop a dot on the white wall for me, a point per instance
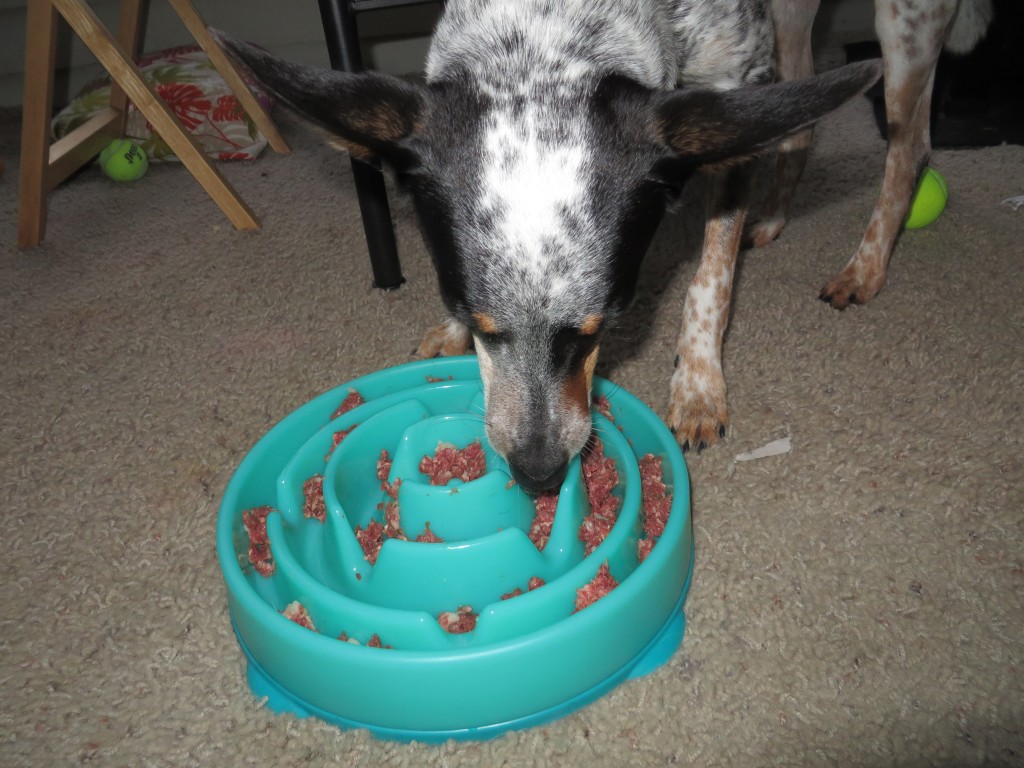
(394, 40)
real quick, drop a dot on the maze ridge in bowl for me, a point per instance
(528, 659)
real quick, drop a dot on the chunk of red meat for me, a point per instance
(545, 505)
(383, 470)
(450, 463)
(535, 582)
(428, 536)
(657, 503)
(371, 539)
(459, 621)
(352, 400)
(255, 522)
(314, 505)
(600, 478)
(297, 612)
(596, 588)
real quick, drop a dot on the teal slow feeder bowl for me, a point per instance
(529, 659)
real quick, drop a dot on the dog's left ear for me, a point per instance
(708, 127)
(372, 113)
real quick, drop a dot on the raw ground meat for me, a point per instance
(450, 463)
(428, 536)
(604, 407)
(643, 548)
(352, 400)
(255, 522)
(535, 582)
(314, 505)
(373, 642)
(459, 621)
(600, 478)
(383, 465)
(657, 503)
(543, 519)
(383, 470)
(392, 521)
(298, 613)
(371, 539)
(596, 588)
(340, 435)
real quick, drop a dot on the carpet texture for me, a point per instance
(856, 602)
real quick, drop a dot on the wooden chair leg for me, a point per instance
(131, 27)
(44, 166)
(125, 73)
(40, 52)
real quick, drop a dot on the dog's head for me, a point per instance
(538, 206)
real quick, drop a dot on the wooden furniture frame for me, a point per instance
(45, 165)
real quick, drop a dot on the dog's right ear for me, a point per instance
(372, 113)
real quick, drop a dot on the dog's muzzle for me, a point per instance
(535, 474)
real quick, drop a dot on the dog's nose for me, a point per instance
(534, 478)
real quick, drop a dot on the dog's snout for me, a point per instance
(537, 475)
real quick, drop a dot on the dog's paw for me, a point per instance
(445, 340)
(851, 287)
(698, 417)
(762, 231)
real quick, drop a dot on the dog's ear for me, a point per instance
(371, 113)
(708, 127)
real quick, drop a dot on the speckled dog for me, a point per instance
(541, 154)
(912, 35)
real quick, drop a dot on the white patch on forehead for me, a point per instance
(527, 183)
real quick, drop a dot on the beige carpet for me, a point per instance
(857, 602)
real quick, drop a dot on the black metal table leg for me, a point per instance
(339, 22)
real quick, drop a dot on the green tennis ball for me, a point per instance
(124, 160)
(929, 200)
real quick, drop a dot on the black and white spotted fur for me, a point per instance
(912, 34)
(541, 154)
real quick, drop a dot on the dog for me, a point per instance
(912, 34)
(541, 153)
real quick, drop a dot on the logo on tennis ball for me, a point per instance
(929, 200)
(124, 160)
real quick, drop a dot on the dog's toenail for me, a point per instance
(721, 430)
(675, 363)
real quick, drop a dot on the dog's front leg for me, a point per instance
(697, 401)
(909, 76)
(449, 338)
(794, 59)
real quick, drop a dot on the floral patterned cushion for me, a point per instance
(195, 93)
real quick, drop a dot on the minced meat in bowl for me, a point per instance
(384, 571)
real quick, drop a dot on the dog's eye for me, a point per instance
(492, 339)
(571, 346)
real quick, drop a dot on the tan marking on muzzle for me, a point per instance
(578, 387)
